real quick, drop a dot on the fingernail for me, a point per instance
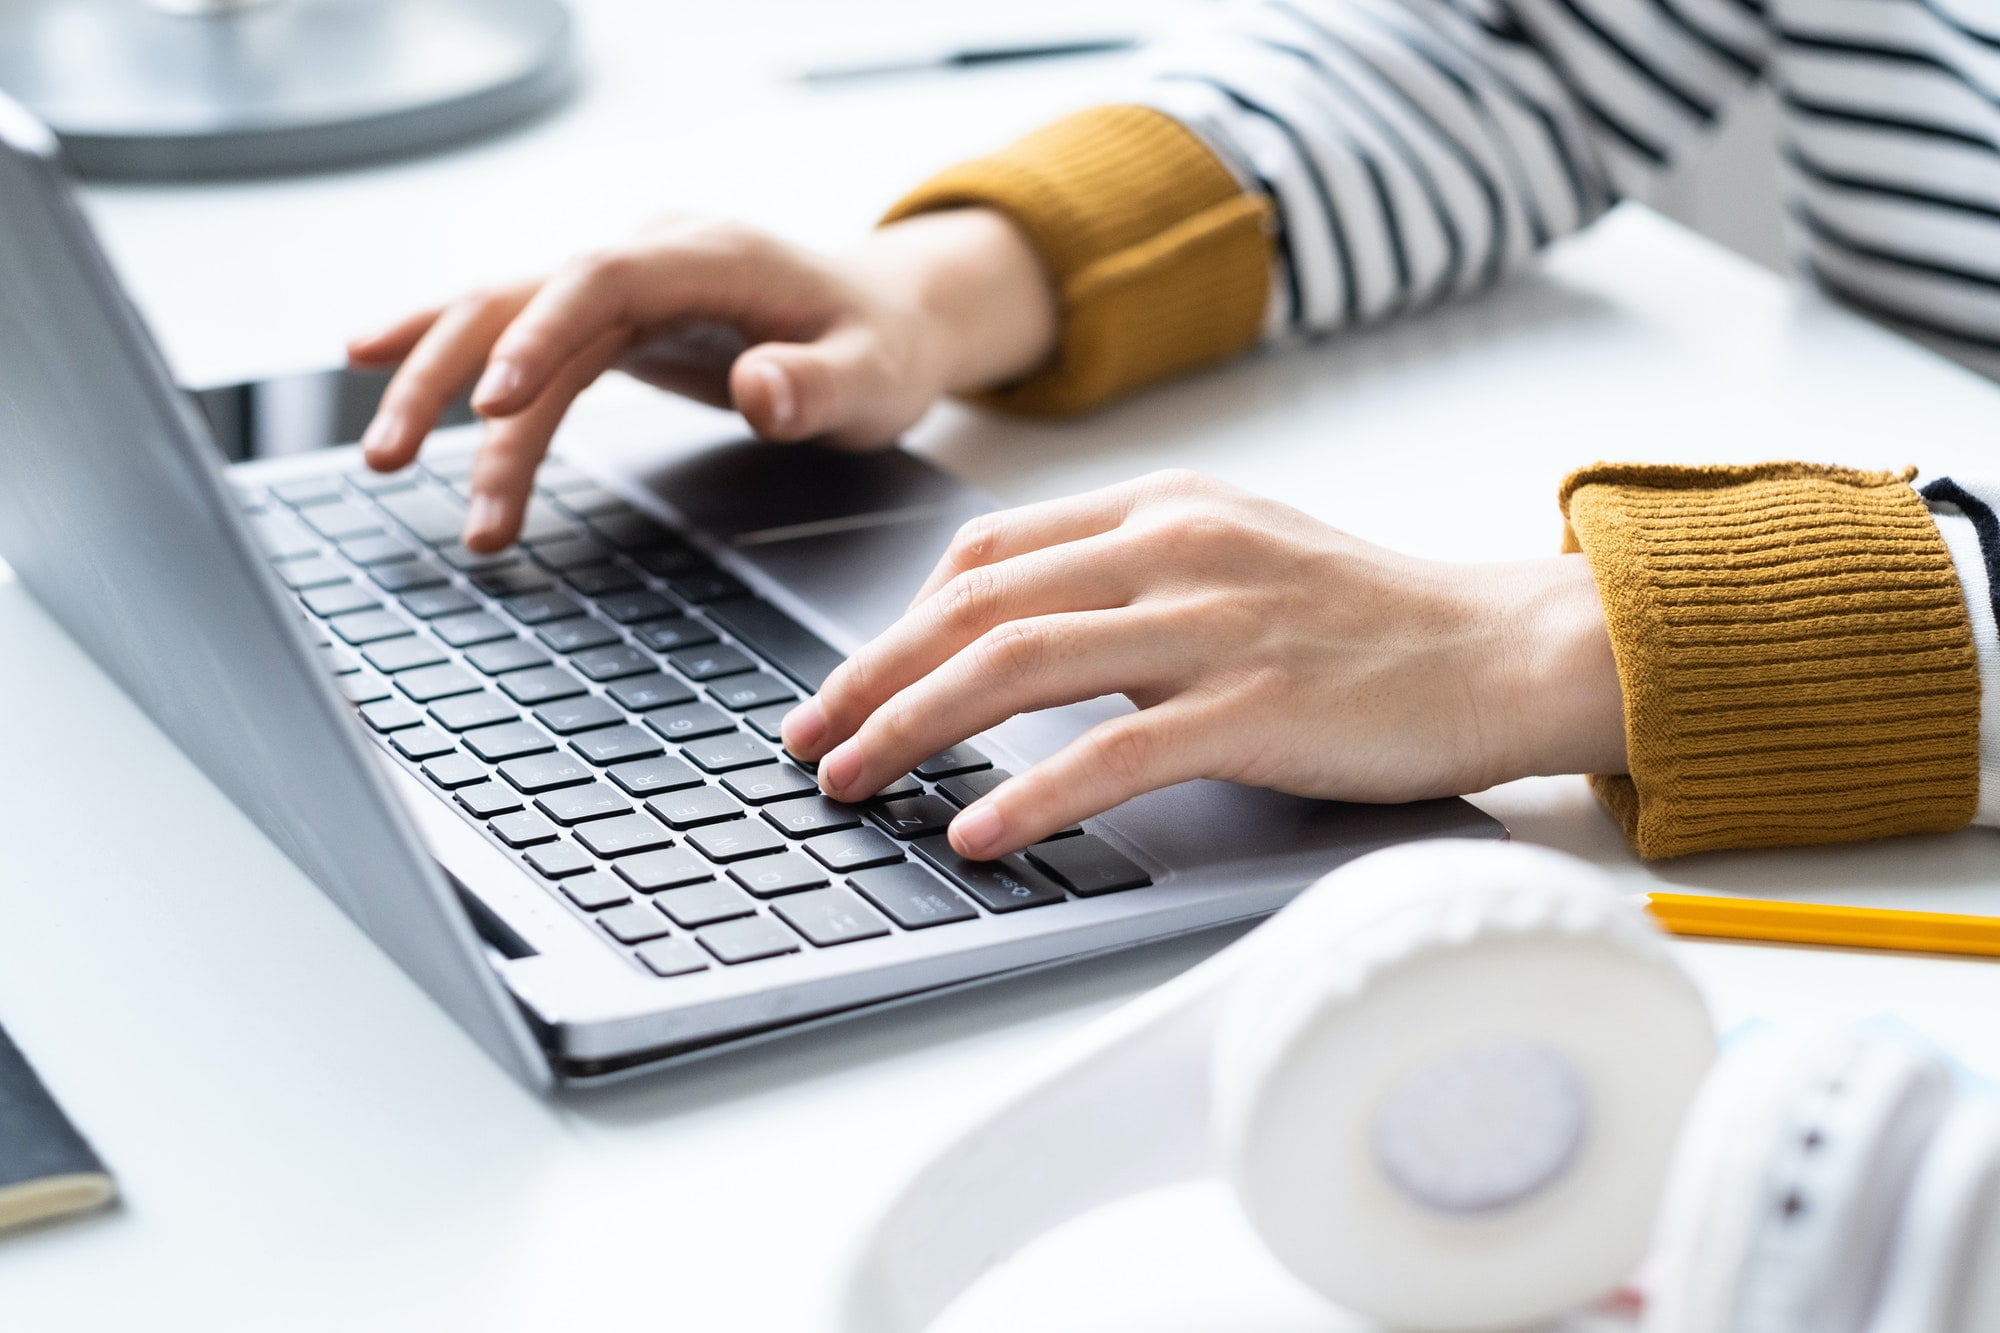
(977, 830)
(803, 726)
(497, 384)
(483, 515)
(381, 432)
(841, 769)
(779, 385)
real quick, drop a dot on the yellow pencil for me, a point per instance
(1825, 923)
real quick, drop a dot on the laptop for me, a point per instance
(548, 782)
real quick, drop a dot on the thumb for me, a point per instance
(839, 387)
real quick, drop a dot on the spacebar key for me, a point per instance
(780, 640)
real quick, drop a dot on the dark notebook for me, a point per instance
(46, 1169)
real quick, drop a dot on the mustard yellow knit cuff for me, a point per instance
(1161, 261)
(1794, 651)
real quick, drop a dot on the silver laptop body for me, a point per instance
(117, 515)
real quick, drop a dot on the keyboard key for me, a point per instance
(596, 890)
(338, 660)
(455, 465)
(390, 715)
(703, 904)
(511, 581)
(312, 572)
(310, 490)
(363, 627)
(812, 815)
(706, 586)
(466, 711)
(403, 575)
(455, 770)
(689, 722)
(419, 743)
(897, 790)
(747, 940)
(655, 690)
(707, 663)
(634, 923)
(629, 608)
(1006, 885)
(506, 655)
(377, 548)
(912, 896)
(404, 654)
(694, 806)
(573, 805)
(769, 876)
(831, 916)
(571, 553)
(558, 859)
(627, 528)
(472, 628)
(616, 744)
(473, 562)
(953, 761)
(432, 516)
(566, 717)
(545, 772)
(768, 721)
(667, 868)
(853, 849)
(647, 776)
(735, 840)
(381, 483)
(363, 687)
(543, 522)
(916, 817)
(428, 603)
(541, 685)
(426, 684)
(671, 558)
(585, 497)
(523, 829)
(969, 787)
(671, 958)
(509, 740)
(1088, 865)
(612, 662)
(597, 580)
(782, 641)
(752, 691)
(576, 634)
(720, 754)
(487, 799)
(623, 834)
(538, 608)
(281, 536)
(769, 782)
(666, 636)
(337, 520)
(337, 599)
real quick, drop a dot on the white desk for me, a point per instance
(306, 1143)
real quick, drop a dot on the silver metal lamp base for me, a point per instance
(228, 89)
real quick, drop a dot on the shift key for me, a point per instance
(1006, 885)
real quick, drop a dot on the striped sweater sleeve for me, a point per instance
(1415, 150)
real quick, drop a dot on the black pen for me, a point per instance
(974, 56)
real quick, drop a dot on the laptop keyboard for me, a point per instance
(603, 702)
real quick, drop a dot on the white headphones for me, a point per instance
(1446, 1084)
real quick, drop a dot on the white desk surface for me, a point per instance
(306, 1143)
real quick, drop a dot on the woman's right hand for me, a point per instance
(850, 351)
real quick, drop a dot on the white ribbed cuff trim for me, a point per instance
(1970, 560)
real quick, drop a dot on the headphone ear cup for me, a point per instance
(1788, 1181)
(1459, 1115)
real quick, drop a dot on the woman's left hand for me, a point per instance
(1260, 646)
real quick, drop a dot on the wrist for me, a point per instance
(1559, 688)
(985, 308)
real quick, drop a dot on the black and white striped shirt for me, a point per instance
(1417, 149)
